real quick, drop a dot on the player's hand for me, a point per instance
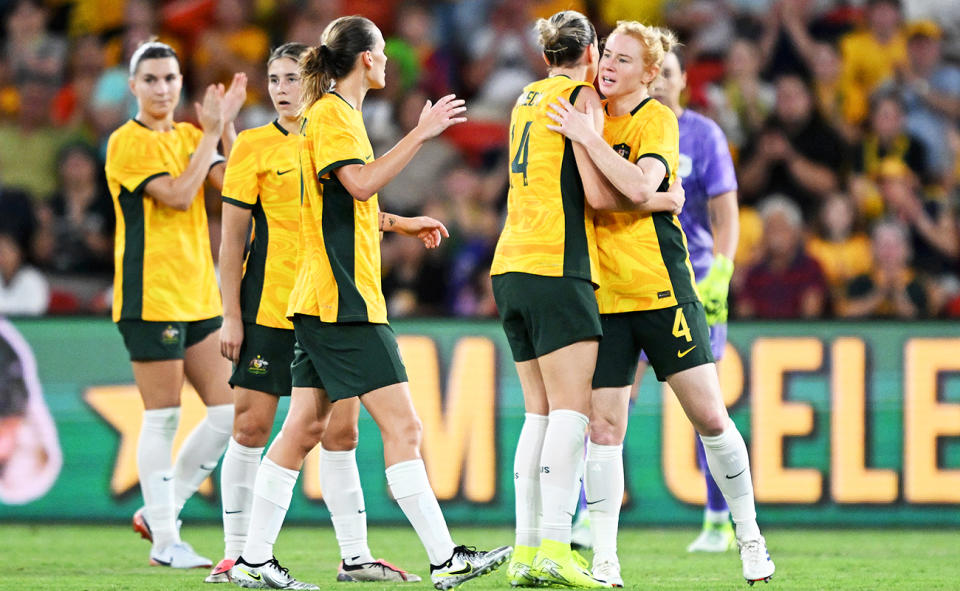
(570, 122)
(234, 98)
(714, 289)
(677, 196)
(231, 337)
(436, 118)
(210, 111)
(427, 229)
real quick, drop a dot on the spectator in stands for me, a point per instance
(842, 110)
(24, 291)
(414, 280)
(504, 57)
(420, 180)
(311, 19)
(233, 44)
(840, 104)
(17, 217)
(888, 138)
(76, 224)
(796, 153)
(29, 146)
(71, 106)
(742, 101)
(931, 93)
(841, 249)
(786, 283)
(930, 222)
(30, 48)
(872, 55)
(892, 290)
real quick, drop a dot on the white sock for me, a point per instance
(603, 481)
(201, 452)
(728, 461)
(561, 465)
(409, 486)
(156, 479)
(340, 483)
(526, 479)
(237, 477)
(271, 499)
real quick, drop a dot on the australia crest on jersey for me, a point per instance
(623, 150)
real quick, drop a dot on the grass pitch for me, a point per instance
(83, 557)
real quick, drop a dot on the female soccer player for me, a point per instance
(165, 298)
(262, 182)
(648, 299)
(344, 346)
(710, 222)
(544, 272)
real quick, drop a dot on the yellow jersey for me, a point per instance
(338, 257)
(162, 259)
(549, 228)
(263, 176)
(644, 263)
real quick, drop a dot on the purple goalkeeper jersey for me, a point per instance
(706, 169)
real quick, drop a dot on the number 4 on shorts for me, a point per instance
(680, 327)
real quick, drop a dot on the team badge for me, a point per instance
(258, 366)
(623, 150)
(170, 335)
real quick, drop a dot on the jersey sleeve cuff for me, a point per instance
(236, 202)
(658, 157)
(338, 164)
(143, 184)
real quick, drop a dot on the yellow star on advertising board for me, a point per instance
(122, 408)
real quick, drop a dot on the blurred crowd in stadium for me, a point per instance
(842, 118)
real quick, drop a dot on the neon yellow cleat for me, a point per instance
(555, 564)
(521, 564)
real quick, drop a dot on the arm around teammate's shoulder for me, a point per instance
(636, 183)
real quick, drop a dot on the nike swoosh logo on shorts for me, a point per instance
(735, 475)
(681, 354)
(283, 172)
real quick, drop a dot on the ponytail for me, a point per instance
(314, 80)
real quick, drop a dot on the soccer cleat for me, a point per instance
(556, 564)
(179, 555)
(715, 537)
(221, 572)
(269, 575)
(581, 538)
(521, 564)
(376, 571)
(757, 565)
(607, 569)
(141, 526)
(467, 563)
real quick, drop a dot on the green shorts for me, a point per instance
(674, 339)
(542, 314)
(345, 359)
(148, 340)
(265, 358)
